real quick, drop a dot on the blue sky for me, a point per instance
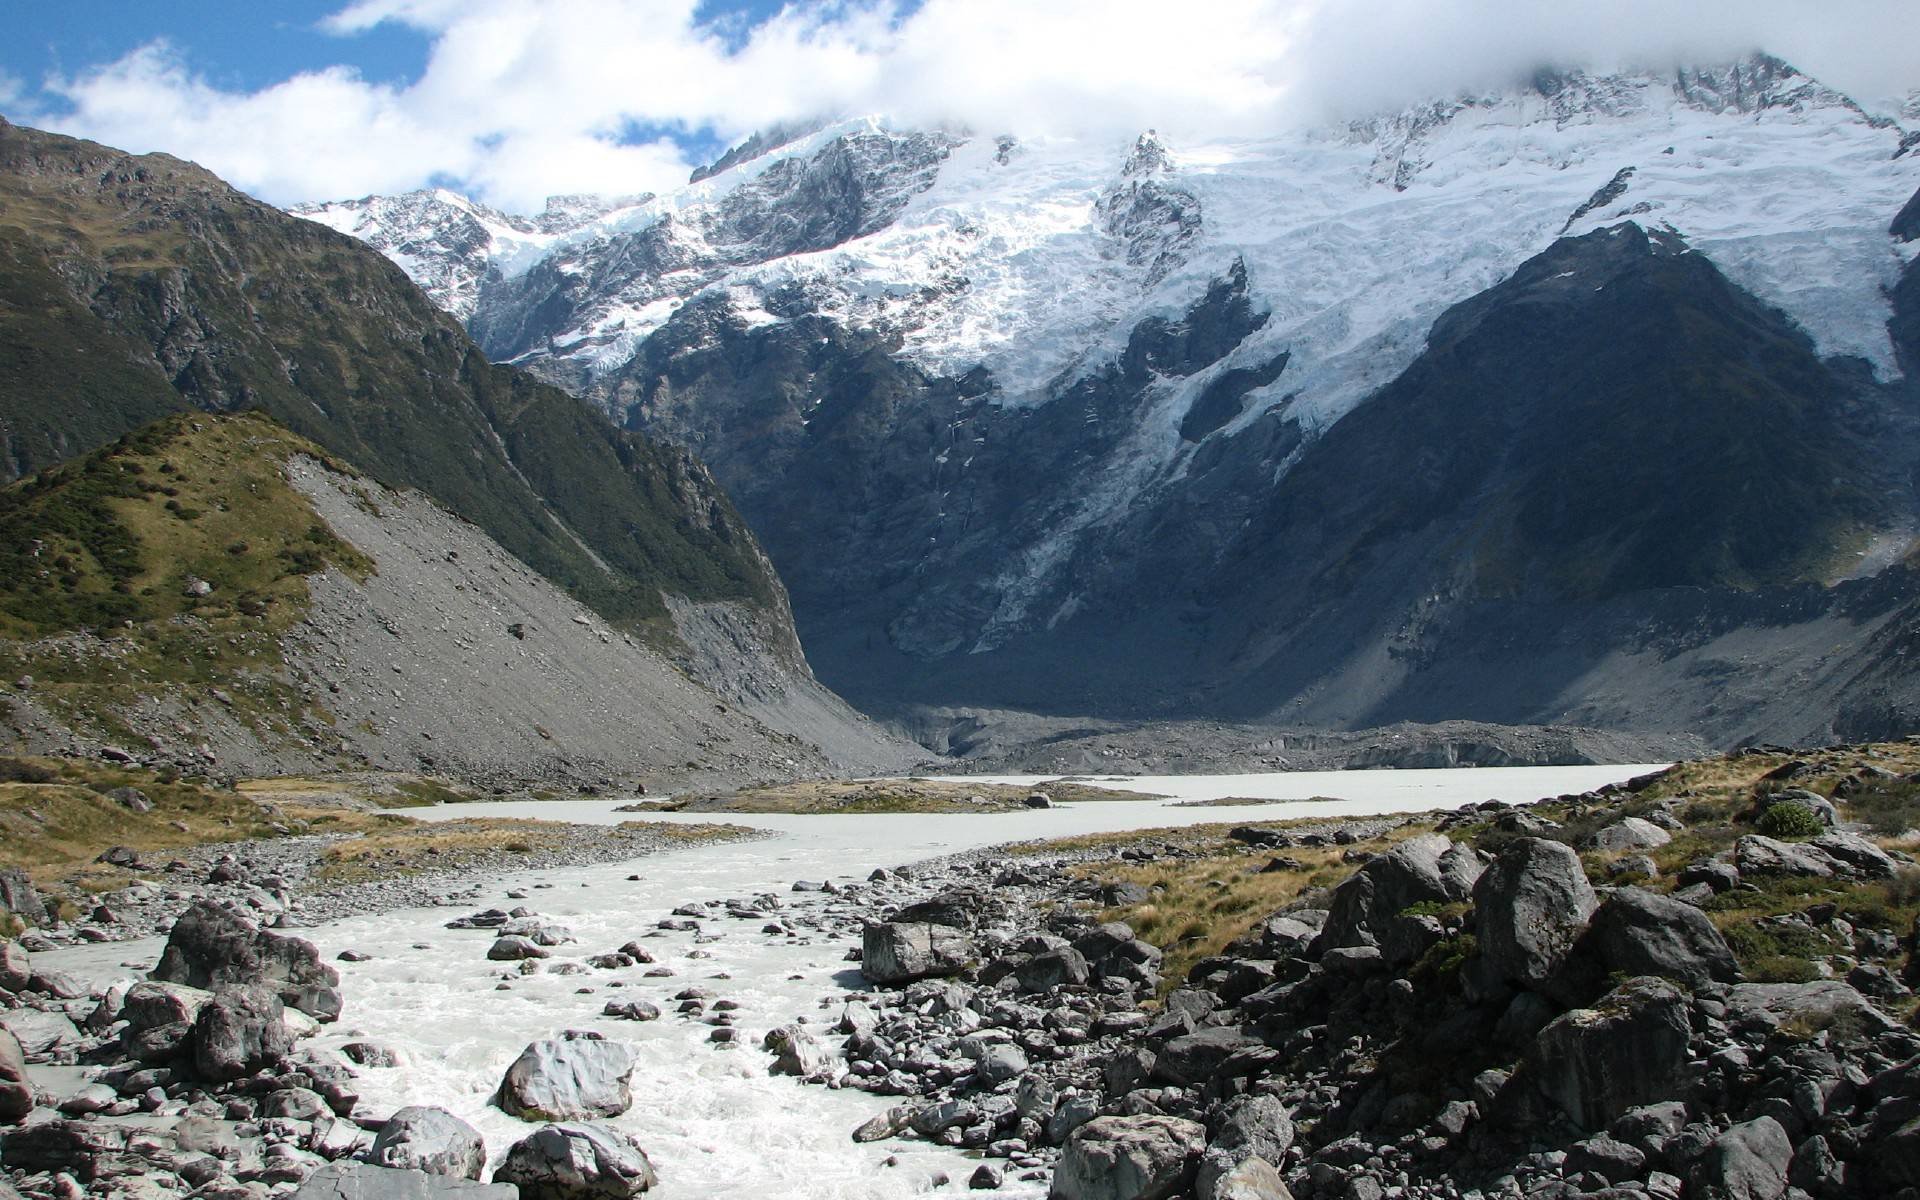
(248, 45)
(513, 100)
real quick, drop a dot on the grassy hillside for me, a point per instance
(135, 286)
(182, 546)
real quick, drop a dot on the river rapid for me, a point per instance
(711, 1118)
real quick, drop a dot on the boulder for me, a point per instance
(18, 897)
(1113, 952)
(238, 1031)
(1420, 870)
(572, 1077)
(797, 1052)
(1856, 855)
(1747, 1162)
(576, 1162)
(1755, 854)
(1629, 1049)
(419, 1138)
(210, 946)
(1129, 1158)
(1250, 1134)
(1637, 932)
(16, 1091)
(150, 1005)
(365, 1181)
(1061, 967)
(1529, 908)
(1248, 1179)
(631, 1010)
(43, 1036)
(1823, 1004)
(895, 952)
(1628, 833)
(514, 948)
(16, 969)
(1196, 1057)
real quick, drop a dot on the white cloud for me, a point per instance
(524, 97)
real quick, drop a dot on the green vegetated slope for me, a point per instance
(185, 549)
(131, 287)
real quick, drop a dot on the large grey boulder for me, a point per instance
(1756, 854)
(1062, 966)
(1629, 833)
(576, 1162)
(1113, 952)
(16, 969)
(1250, 1134)
(1248, 1179)
(1856, 855)
(17, 896)
(420, 1138)
(1129, 1158)
(901, 952)
(239, 1031)
(1420, 870)
(365, 1181)
(569, 1078)
(210, 946)
(1824, 1004)
(1196, 1057)
(16, 1092)
(1637, 932)
(1747, 1162)
(1529, 908)
(150, 1005)
(1629, 1049)
(44, 1035)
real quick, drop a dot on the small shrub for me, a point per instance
(1787, 819)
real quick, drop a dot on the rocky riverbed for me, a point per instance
(1560, 1000)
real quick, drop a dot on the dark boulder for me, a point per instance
(576, 1162)
(211, 946)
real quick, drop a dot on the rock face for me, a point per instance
(1529, 908)
(1596, 1063)
(893, 952)
(1129, 1158)
(211, 945)
(574, 1077)
(365, 1181)
(433, 1140)
(576, 1162)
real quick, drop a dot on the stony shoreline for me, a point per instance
(274, 879)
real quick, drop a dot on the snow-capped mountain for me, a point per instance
(972, 388)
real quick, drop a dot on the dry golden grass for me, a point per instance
(361, 790)
(409, 847)
(1203, 902)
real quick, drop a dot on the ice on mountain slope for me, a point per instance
(1036, 260)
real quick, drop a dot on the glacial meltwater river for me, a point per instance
(711, 1118)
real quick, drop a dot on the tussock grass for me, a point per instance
(57, 815)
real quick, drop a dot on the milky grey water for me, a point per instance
(715, 1123)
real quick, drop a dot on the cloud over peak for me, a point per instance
(521, 98)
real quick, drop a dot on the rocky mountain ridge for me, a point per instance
(982, 399)
(142, 287)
